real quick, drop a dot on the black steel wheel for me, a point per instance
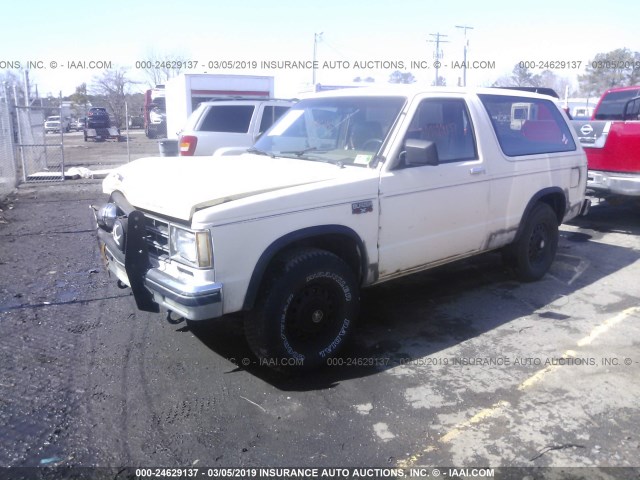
(533, 252)
(306, 312)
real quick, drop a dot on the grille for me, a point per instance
(157, 236)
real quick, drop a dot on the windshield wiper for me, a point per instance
(299, 153)
(260, 152)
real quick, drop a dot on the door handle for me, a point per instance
(476, 170)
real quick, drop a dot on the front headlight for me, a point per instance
(191, 248)
(107, 215)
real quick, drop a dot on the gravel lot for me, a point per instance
(105, 154)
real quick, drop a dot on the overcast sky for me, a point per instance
(397, 32)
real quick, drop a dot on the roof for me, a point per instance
(410, 90)
(541, 90)
(622, 89)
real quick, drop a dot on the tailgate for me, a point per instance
(592, 133)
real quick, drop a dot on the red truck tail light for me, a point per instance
(188, 145)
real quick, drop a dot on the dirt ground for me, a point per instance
(105, 154)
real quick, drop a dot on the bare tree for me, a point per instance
(160, 67)
(560, 85)
(523, 77)
(9, 79)
(113, 86)
(520, 77)
(80, 98)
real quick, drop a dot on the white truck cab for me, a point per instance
(348, 189)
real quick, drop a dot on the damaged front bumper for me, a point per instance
(151, 286)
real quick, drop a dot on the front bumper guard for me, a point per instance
(151, 287)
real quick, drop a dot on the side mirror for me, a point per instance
(420, 152)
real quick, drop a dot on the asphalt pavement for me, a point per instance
(457, 367)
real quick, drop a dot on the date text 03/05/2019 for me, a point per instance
(312, 472)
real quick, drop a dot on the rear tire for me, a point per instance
(306, 311)
(533, 253)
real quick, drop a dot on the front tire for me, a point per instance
(306, 311)
(533, 253)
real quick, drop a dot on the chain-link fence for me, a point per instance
(41, 155)
(8, 166)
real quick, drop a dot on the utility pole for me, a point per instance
(27, 88)
(466, 45)
(316, 37)
(438, 54)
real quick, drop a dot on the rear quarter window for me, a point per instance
(612, 105)
(528, 126)
(227, 118)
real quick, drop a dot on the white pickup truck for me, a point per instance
(55, 124)
(348, 189)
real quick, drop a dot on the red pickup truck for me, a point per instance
(611, 140)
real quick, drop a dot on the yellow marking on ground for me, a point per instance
(532, 380)
(477, 418)
(454, 432)
(600, 329)
(536, 377)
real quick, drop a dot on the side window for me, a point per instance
(445, 122)
(269, 115)
(228, 119)
(528, 126)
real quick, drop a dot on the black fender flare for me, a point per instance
(535, 199)
(291, 238)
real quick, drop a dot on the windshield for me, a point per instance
(345, 130)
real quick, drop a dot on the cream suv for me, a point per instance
(348, 189)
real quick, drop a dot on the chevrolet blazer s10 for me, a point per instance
(348, 189)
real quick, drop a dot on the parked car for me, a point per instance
(582, 113)
(349, 189)
(136, 121)
(77, 124)
(81, 123)
(55, 124)
(98, 117)
(228, 123)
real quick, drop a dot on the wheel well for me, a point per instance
(557, 202)
(554, 197)
(340, 245)
(347, 246)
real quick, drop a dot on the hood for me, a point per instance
(178, 186)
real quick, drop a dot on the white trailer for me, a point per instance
(185, 92)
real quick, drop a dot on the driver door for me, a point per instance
(431, 214)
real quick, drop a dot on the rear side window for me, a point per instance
(270, 114)
(227, 118)
(612, 105)
(528, 126)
